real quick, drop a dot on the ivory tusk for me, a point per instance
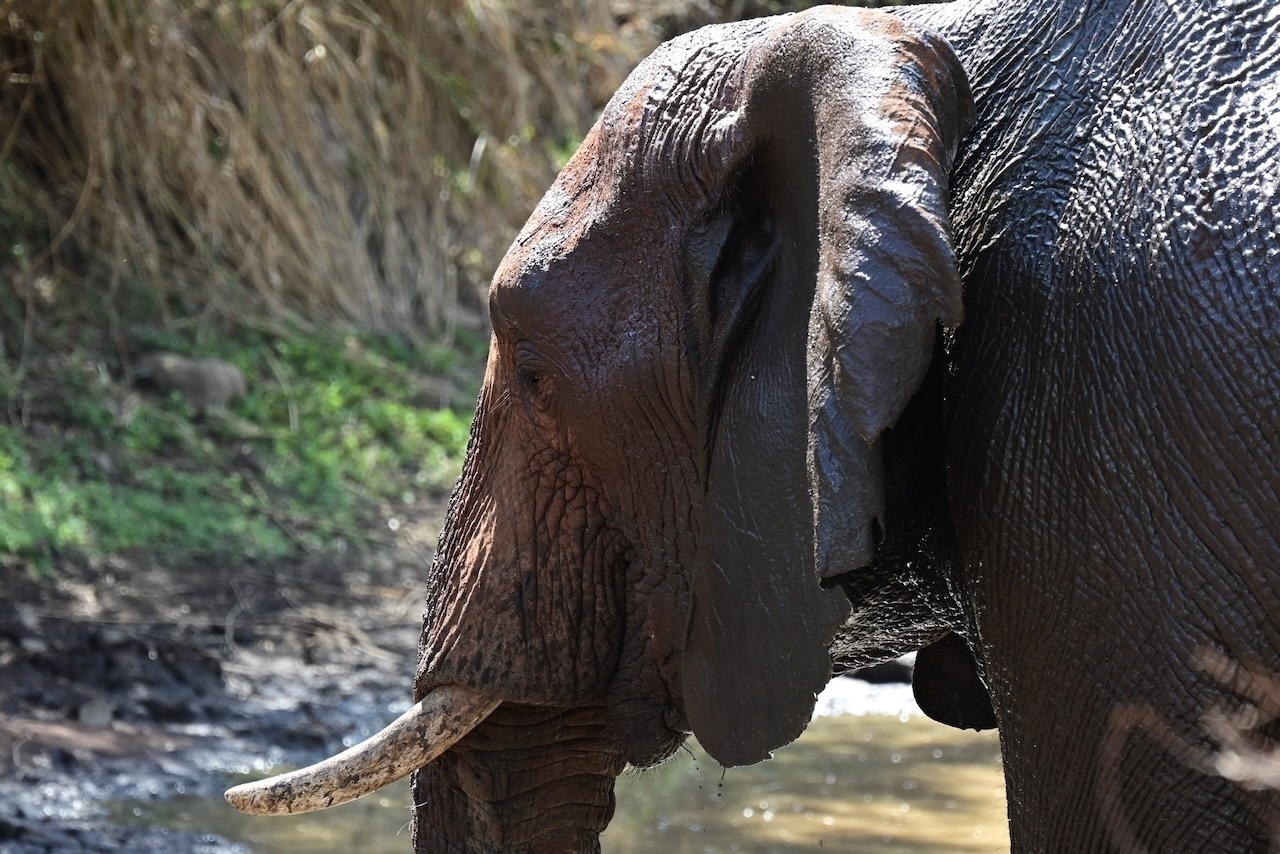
(409, 742)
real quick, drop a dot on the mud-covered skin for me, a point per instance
(1113, 439)
(698, 444)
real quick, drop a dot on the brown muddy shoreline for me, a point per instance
(134, 680)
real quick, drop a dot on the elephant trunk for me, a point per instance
(528, 779)
(417, 737)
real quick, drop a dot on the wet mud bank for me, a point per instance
(135, 681)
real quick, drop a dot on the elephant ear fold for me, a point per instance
(851, 119)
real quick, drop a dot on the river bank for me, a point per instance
(144, 681)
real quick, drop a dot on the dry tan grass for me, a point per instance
(364, 161)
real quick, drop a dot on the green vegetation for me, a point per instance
(339, 436)
(168, 169)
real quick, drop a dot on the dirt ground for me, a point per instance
(133, 679)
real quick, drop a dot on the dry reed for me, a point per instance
(361, 161)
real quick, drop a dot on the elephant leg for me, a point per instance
(1114, 531)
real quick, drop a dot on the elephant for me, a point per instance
(846, 333)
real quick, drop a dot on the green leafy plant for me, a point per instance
(339, 436)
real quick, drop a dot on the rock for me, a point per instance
(96, 713)
(204, 383)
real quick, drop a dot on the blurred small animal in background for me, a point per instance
(203, 383)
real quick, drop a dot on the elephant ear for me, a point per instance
(832, 268)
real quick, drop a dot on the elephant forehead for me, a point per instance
(594, 195)
(581, 196)
(677, 119)
(549, 234)
(660, 147)
(685, 124)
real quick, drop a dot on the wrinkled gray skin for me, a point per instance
(727, 440)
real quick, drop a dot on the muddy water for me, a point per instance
(852, 782)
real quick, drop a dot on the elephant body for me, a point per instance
(845, 334)
(1114, 420)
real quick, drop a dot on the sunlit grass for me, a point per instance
(337, 432)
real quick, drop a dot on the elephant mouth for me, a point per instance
(411, 741)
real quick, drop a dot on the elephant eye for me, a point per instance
(527, 378)
(531, 376)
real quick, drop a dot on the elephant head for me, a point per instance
(729, 294)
